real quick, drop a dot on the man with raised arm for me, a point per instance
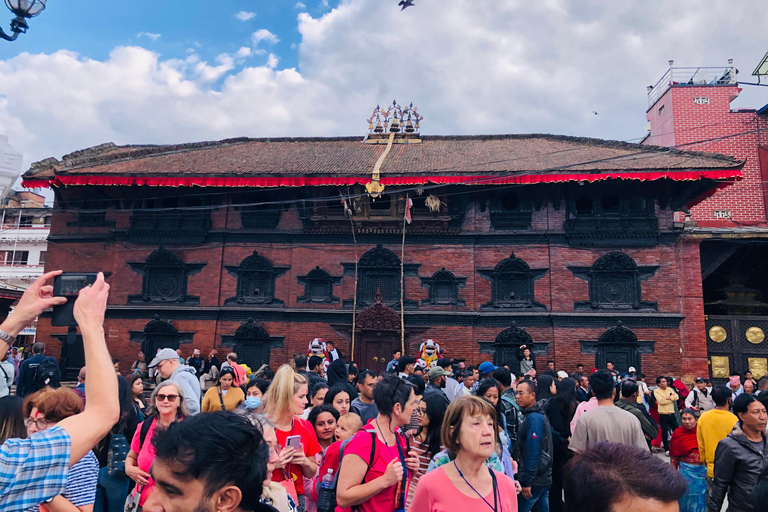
(34, 470)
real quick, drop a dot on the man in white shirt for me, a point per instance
(700, 397)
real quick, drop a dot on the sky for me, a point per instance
(140, 71)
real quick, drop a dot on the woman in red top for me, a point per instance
(383, 485)
(283, 403)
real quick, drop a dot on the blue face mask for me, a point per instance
(252, 402)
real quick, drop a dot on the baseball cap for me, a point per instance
(632, 369)
(437, 371)
(700, 379)
(163, 355)
(562, 374)
(487, 367)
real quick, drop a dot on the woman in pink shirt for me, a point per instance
(469, 433)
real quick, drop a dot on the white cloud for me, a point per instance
(264, 35)
(471, 67)
(244, 51)
(149, 35)
(299, 5)
(324, 4)
(245, 15)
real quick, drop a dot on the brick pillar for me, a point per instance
(692, 329)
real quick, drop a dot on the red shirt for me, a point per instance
(311, 447)
(360, 445)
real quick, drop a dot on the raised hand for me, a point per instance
(36, 299)
(91, 304)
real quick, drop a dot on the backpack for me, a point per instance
(514, 419)
(47, 374)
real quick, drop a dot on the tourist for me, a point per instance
(316, 374)
(512, 415)
(583, 393)
(418, 390)
(484, 371)
(700, 397)
(254, 393)
(43, 410)
(240, 373)
(192, 474)
(642, 391)
(385, 480)
(136, 385)
(612, 477)
(28, 383)
(7, 375)
(210, 371)
(333, 352)
(323, 419)
(338, 398)
(273, 493)
(166, 363)
(34, 469)
(225, 396)
(392, 365)
(534, 450)
(546, 393)
(426, 440)
(437, 383)
(527, 362)
(363, 405)
(467, 383)
(740, 458)
(666, 397)
(15, 359)
(606, 422)
(80, 388)
(316, 397)
(451, 385)
(347, 426)
(197, 362)
(684, 456)
(405, 366)
(167, 406)
(712, 427)
(338, 374)
(283, 402)
(352, 373)
(628, 402)
(468, 432)
(139, 366)
(11, 418)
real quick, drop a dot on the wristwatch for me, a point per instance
(7, 337)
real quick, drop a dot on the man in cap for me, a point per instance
(197, 362)
(561, 374)
(486, 369)
(166, 363)
(452, 385)
(437, 381)
(700, 397)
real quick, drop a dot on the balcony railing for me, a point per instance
(691, 77)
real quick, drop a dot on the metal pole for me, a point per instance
(402, 289)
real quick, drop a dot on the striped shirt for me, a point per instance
(424, 459)
(81, 482)
(33, 469)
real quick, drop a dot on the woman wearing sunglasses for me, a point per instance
(166, 407)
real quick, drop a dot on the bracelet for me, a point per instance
(7, 337)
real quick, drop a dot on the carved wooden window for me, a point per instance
(165, 278)
(614, 283)
(252, 344)
(443, 289)
(318, 287)
(379, 272)
(257, 209)
(509, 210)
(159, 334)
(507, 345)
(512, 284)
(256, 280)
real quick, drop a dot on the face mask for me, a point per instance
(252, 402)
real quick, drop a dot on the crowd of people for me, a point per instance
(321, 434)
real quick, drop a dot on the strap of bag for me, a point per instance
(4, 372)
(495, 489)
(221, 399)
(145, 426)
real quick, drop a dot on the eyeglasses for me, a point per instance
(170, 398)
(40, 423)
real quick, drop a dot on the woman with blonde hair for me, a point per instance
(166, 407)
(283, 403)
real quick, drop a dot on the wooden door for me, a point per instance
(376, 351)
(621, 355)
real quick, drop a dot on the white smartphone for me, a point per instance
(293, 442)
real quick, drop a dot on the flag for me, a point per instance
(408, 204)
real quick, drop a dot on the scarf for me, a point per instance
(683, 442)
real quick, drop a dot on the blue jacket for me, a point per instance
(534, 451)
(26, 384)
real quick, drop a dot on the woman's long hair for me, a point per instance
(566, 398)
(181, 412)
(278, 400)
(543, 383)
(11, 418)
(436, 408)
(484, 386)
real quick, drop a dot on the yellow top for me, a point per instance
(713, 427)
(665, 399)
(232, 399)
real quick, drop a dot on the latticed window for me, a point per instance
(512, 284)
(256, 280)
(318, 286)
(443, 288)
(614, 283)
(165, 278)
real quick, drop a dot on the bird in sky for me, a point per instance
(405, 3)
(595, 113)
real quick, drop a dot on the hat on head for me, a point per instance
(196, 352)
(700, 379)
(163, 355)
(735, 380)
(437, 371)
(562, 374)
(487, 367)
(631, 369)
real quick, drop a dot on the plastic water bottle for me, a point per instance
(326, 499)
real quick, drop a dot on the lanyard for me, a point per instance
(493, 477)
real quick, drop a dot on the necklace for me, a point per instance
(476, 491)
(384, 438)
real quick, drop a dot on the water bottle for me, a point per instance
(326, 498)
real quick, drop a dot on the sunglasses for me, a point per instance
(170, 398)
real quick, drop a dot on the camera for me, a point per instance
(68, 285)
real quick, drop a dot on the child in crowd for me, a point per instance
(346, 428)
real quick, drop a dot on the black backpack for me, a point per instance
(47, 374)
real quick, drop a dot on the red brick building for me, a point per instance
(690, 109)
(563, 243)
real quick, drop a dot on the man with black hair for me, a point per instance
(762, 384)
(301, 364)
(209, 462)
(610, 368)
(27, 383)
(712, 428)
(316, 374)
(363, 405)
(333, 352)
(392, 365)
(614, 477)
(666, 396)
(741, 458)
(533, 451)
(405, 366)
(628, 402)
(606, 422)
(550, 370)
(508, 400)
(580, 369)
(700, 397)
